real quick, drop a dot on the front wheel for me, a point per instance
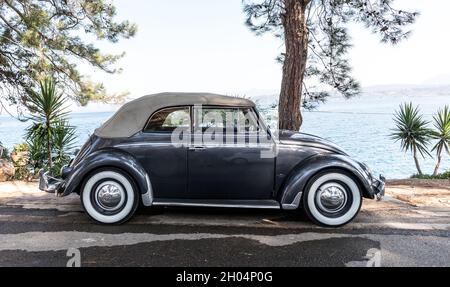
(332, 198)
(109, 196)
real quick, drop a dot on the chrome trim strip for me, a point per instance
(312, 145)
(165, 203)
(142, 144)
(147, 198)
(264, 146)
(295, 204)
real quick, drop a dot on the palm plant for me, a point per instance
(412, 132)
(442, 134)
(37, 154)
(47, 108)
(63, 143)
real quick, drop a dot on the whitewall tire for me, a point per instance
(109, 196)
(332, 198)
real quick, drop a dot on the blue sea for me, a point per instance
(361, 126)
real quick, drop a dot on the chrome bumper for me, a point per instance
(378, 187)
(49, 184)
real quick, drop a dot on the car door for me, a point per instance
(226, 158)
(161, 148)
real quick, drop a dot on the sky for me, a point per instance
(204, 46)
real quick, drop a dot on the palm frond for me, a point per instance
(442, 130)
(411, 129)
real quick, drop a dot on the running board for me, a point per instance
(228, 203)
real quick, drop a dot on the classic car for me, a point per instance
(208, 150)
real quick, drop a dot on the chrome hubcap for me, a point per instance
(331, 197)
(110, 195)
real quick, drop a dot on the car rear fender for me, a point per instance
(110, 157)
(294, 185)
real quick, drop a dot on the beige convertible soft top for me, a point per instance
(132, 116)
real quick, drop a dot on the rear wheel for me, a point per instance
(332, 198)
(109, 196)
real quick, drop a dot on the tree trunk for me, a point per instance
(49, 148)
(416, 161)
(296, 42)
(438, 164)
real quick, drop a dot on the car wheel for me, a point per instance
(332, 198)
(109, 196)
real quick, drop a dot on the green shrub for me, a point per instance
(37, 155)
(445, 175)
(20, 160)
(63, 144)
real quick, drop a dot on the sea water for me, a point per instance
(361, 126)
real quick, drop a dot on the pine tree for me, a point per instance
(317, 42)
(49, 38)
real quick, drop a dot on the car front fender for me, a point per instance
(297, 180)
(110, 157)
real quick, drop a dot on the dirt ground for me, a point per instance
(421, 192)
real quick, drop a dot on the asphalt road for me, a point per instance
(40, 230)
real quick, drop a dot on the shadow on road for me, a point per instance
(269, 215)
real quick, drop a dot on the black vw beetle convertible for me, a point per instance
(207, 150)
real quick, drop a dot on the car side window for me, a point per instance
(239, 120)
(167, 120)
(246, 120)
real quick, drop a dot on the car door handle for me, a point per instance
(197, 147)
